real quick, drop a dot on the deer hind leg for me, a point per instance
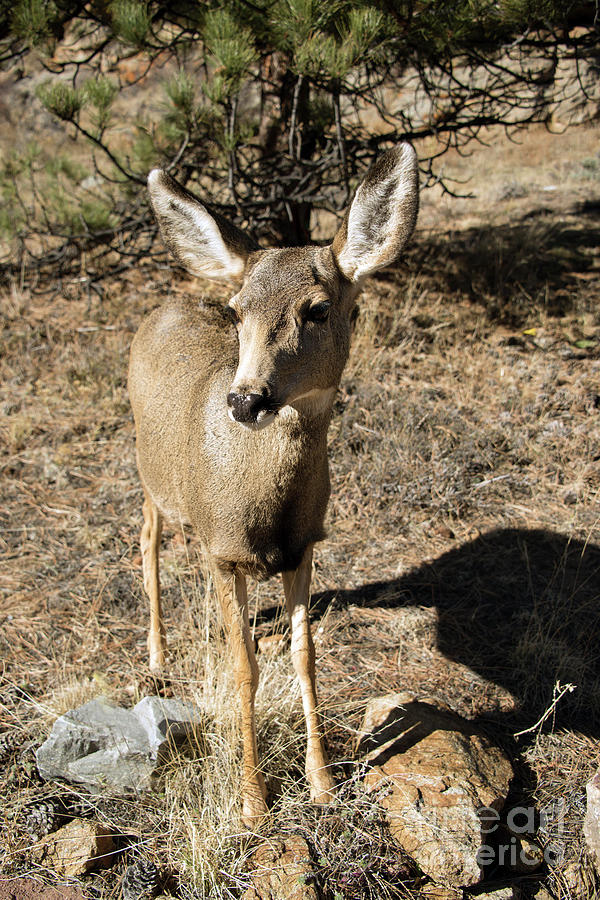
(233, 598)
(150, 544)
(296, 585)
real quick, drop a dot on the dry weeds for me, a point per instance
(465, 473)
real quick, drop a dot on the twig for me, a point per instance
(566, 689)
(294, 118)
(490, 481)
(341, 145)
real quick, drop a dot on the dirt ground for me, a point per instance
(463, 556)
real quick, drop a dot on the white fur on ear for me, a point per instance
(381, 217)
(204, 246)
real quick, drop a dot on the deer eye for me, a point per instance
(319, 312)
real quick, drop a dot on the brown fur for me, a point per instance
(200, 467)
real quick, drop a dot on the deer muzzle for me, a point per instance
(255, 410)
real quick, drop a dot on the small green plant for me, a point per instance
(181, 93)
(271, 99)
(61, 99)
(131, 21)
(99, 94)
(97, 215)
(232, 47)
(590, 167)
(33, 20)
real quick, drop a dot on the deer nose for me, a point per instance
(246, 407)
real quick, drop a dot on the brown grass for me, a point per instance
(464, 531)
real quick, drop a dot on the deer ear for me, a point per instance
(203, 242)
(381, 217)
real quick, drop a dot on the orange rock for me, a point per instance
(78, 847)
(437, 775)
(281, 870)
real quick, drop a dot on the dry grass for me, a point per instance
(464, 537)
(563, 762)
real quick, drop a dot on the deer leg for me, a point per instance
(296, 585)
(150, 544)
(234, 603)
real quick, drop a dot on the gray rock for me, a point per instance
(100, 745)
(167, 720)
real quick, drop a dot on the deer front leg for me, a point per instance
(234, 603)
(297, 586)
(150, 544)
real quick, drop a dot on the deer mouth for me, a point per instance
(263, 418)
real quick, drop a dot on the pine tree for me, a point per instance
(265, 111)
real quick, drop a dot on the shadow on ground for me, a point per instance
(539, 258)
(519, 607)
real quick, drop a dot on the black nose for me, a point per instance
(246, 407)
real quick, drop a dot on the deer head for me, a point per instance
(295, 307)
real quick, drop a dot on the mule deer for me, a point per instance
(232, 407)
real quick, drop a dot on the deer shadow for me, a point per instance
(519, 607)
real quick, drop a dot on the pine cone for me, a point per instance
(17, 758)
(77, 807)
(10, 742)
(42, 818)
(140, 881)
(27, 763)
